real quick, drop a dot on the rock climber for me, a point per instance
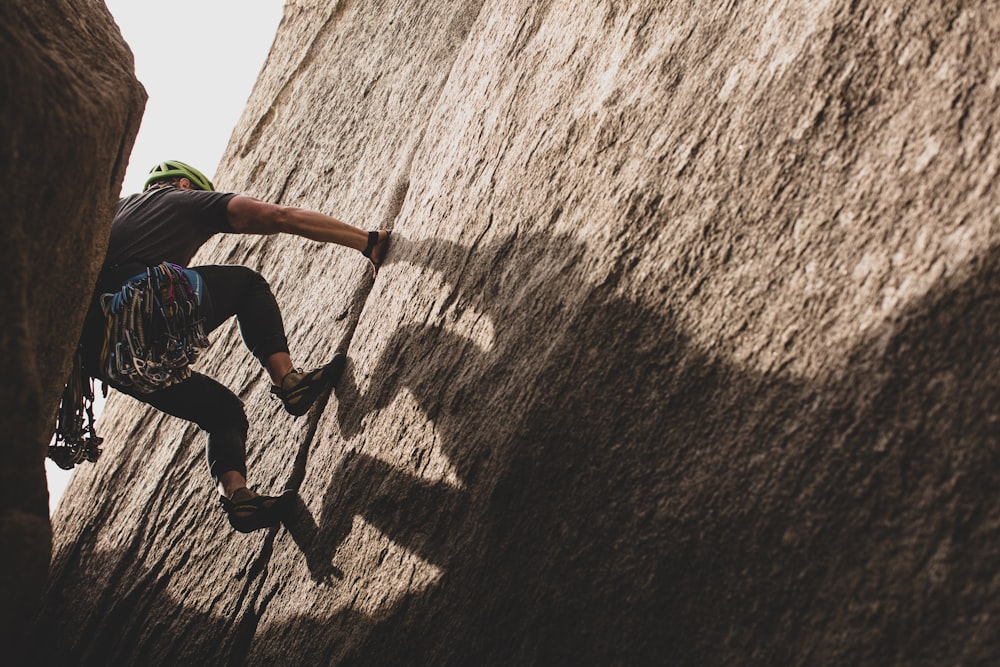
(177, 211)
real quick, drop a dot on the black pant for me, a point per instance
(229, 291)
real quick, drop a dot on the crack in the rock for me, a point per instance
(247, 627)
(285, 92)
(397, 196)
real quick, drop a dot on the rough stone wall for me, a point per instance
(687, 352)
(70, 110)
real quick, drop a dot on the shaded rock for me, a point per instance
(684, 352)
(71, 109)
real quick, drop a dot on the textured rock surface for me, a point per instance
(70, 111)
(687, 352)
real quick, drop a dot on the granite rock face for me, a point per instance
(686, 353)
(71, 109)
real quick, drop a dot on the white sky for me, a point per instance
(198, 62)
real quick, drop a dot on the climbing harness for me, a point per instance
(153, 333)
(76, 441)
(154, 328)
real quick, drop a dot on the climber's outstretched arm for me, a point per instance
(251, 216)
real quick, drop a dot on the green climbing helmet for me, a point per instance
(174, 168)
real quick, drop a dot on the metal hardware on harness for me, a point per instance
(154, 329)
(76, 441)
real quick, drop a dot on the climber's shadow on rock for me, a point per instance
(647, 504)
(459, 386)
(399, 504)
(303, 530)
(619, 481)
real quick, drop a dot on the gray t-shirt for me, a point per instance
(165, 225)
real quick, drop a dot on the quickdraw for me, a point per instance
(154, 329)
(76, 441)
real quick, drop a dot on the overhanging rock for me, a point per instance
(685, 353)
(70, 111)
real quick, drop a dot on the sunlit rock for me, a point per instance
(685, 353)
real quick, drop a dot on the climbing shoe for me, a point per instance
(298, 390)
(248, 511)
